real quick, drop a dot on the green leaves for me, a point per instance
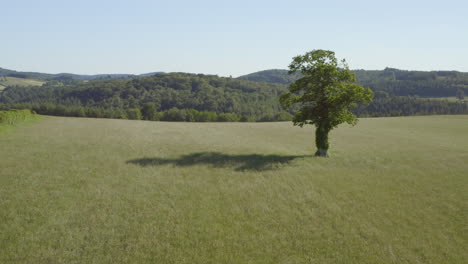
(327, 91)
(312, 60)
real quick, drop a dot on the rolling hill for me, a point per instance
(249, 98)
(173, 94)
(163, 91)
(391, 81)
(67, 76)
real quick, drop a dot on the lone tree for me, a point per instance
(325, 94)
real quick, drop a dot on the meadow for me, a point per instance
(78, 190)
(12, 81)
(10, 119)
(450, 99)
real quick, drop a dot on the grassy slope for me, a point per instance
(450, 99)
(7, 128)
(112, 191)
(18, 81)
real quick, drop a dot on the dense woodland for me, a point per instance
(209, 98)
(160, 93)
(391, 81)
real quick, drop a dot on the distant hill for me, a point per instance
(183, 96)
(65, 76)
(163, 91)
(389, 81)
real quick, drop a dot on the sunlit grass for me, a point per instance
(12, 81)
(117, 191)
(450, 99)
(30, 119)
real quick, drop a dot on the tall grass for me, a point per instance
(79, 190)
(14, 116)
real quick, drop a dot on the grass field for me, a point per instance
(118, 191)
(7, 81)
(450, 99)
(10, 120)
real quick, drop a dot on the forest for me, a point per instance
(393, 82)
(210, 98)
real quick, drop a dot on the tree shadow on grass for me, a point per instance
(256, 162)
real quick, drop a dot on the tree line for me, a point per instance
(189, 97)
(148, 112)
(410, 105)
(164, 91)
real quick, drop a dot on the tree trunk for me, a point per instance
(321, 140)
(321, 153)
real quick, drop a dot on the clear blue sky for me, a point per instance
(229, 37)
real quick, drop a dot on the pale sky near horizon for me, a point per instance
(229, 37)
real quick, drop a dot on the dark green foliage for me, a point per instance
(406, 106)
(321, 140)
(149, 112)
(200, 97)
(413, 83)
(18, 75)
(174, 114)
(228, 117)
(283, 117)
(460, 94)
(394, 82)
(246, 119)
(276, 117)
(326, 94)
(192, 115)
(134, 114)
(158, 93)
(205, 116)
